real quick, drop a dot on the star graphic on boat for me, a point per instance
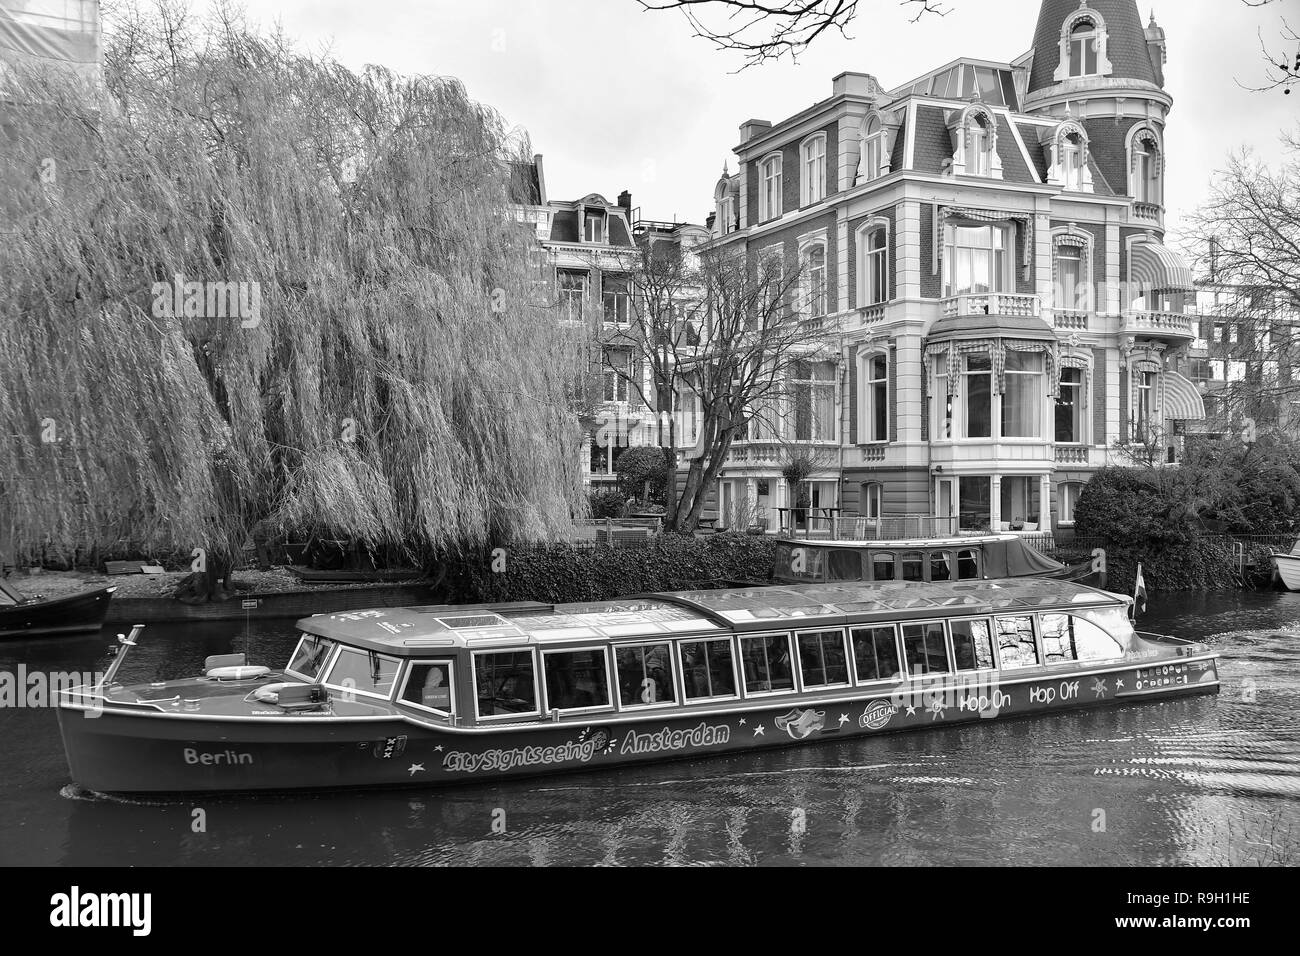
(1098, 687)
(844, 719)
(1119, 683)
(438, 749)
(416, 768)
(758, 731)
(935, 709)
(911, 711)
(742, 721)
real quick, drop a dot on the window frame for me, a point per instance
(993, 644)
(810, 273)
(411, 664)
(325, 664)
(813, 185)
(869, 387)
(900, 657)
(737, 676)
(770, 176)
(676, 681)
(947, 648)
(334, 659)
(609, 682)
(1062, 497)
(1089, 40)
(869, 491)
(744, 682)
(537, 696)
(1038, 642)
(1078, 391)
(1000, 280)
(848, 658)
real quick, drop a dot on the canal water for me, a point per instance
(1204, 781)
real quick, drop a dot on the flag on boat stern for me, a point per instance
(1139, 592)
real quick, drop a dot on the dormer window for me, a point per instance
(1083, 49)
(769, 194)
(1072, 162)
(594, 228)
(724, 204)
(873, 148)
(977, 148)
(813, 180)
(1067, 157)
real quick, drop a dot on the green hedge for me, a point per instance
(1198, 565)
(562, 573)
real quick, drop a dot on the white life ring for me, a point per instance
(270, 693)
(238, 672)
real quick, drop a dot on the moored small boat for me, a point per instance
(1288, 567)
(21, 616)
(442, 695)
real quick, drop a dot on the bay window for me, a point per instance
(975, 259)
(977, 396)
(1022, 400)
(1020, 502)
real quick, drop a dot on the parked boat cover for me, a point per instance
(1014, 559)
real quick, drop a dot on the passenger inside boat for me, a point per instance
(428, 686)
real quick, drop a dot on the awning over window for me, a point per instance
(1182, 402)
(1153, 267)
(990, 326)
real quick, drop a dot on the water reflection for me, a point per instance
(1209, 780)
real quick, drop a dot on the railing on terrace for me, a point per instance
(1147, 211)
(827, 523)
(1071, 320)
(991, 303)
(1072, 454)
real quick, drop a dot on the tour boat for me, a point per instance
(21, 616)
(1288, 567)
(446, 695)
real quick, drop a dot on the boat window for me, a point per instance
(968, 564)
(1067, 637)
(940, 565)
(823, 659)
(882, 566)
(428, 684)
(767, 663)
(913, 563)
(799, 562)
(708, 669)
(1016, 645)
(506, 683)
(576, 679)
(364, 672)
(972, 645)
(645, 674)
(845, 565)
(310, 656)
(875, 653)
(926, 649)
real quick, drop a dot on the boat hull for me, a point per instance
(1288, 569)
(119, 750)
(77, 614)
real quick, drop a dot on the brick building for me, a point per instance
(989, 241)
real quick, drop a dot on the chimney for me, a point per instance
(752, 128)
(625, 199)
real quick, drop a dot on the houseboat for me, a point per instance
(446, 695)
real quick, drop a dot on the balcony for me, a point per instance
(1071, 455)
(1149, 213)
(1172, 326)
(991, 303)
(1071, 321)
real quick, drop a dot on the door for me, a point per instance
(946, 506)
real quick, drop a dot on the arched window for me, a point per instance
(872, 495)
(1145, 185)
(769, 195)
(979, 144)
(812, 181)
(1083, 48)
(1067, 497)
(813, 255)
(1073, 161)
(725, 208)
(874, 410)
(873, 149)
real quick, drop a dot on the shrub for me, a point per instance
(606, 504)
(640, 467)
(562, 573)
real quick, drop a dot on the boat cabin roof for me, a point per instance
(894, 544)
(415, 631)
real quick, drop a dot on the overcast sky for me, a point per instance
(617, 98)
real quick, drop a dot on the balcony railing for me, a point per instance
(872, 313)
(1071, 455)
(1072, 321)
(1164, 324)
(991, 303)
(1147, 212)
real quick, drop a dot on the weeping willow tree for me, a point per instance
(242, 287)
